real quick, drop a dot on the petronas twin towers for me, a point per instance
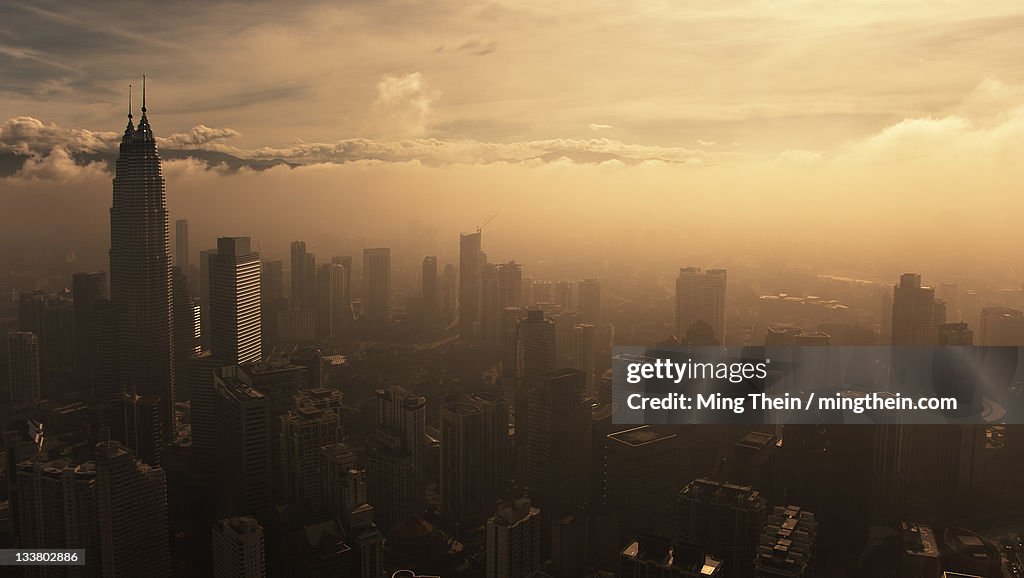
(140, 269)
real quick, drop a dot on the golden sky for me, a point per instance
(810, 117)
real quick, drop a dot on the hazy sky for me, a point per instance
(824, 119)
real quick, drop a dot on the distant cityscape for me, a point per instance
(215, 412)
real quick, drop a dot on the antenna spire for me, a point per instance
(143, 95)
(129, 101)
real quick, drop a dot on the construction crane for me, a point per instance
(487, 222)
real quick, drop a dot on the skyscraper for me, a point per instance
(469, 283)
(331, 296)
(558, 442)
(186, 330)
(787, 544)
(394, 457)
(243, 471)
(1002, 326)
(700, 306)
(140, 268)
(377, 286)
(303, 277)
(639, 473)
(86, 289)
(513, 541)
(461, 428)
(235, 335)
(913, 313)
(723, 519)
(181, 244)
(303, 432)
(132, 507)
(588, 292)
(23, 366)
(238, 548)
(431, 298)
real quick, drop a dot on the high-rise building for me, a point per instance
(136, 420)
(639, 473)
(496, 453)
(563, 295)
(508, 292)
(244, 475)
(584, 345)
(395, 457)
(430, 293)
(588, 293)
(331, 299)
(106, 383)
(469, 283)
(465, 499)
(140, 268)
(513, 541)
(377, 286)
(238, 548)
(86, 289)
(700, 306)
(304, 431)
(535, 357)
(235, 335)
(56, 508)
(132, 511)
(303, 277)
(558, 442)
(181, 244)
(51, 317)
(449, 290)
(913, 312)
(342, 485)
(1002, 326)
(23, 366)
(723, 519)
(272, 301)
(186, 331)
(787, 544)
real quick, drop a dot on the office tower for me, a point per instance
(487, 316)
(345, 311)
(205, 256)
(244, 475)
(640, 470)
(913, 312)
(1001, 326)
(513, 541)
(449, 290)
(51, 317)
(494, 463)
(135, 419)
(394, 457)
(304, 431)
(543, 292)
(430, 292)
(952, 334)
(344, 497)
(238, 548)
(186, 331)
(510, 318)
(106, 383)
(563, 295)
(565, 337)
(86, 289)
(342, 485)
(331, 297)
(203, 402)
(650, 555)
(132, 508)
(181, 244)
(949, 292)
(469, 283)
(535, 357)
(724, 519)
(700, 306)
(462, 444)
(588, 293)
(56, 508)
(584, 344)
(272, 301)
(235, 302)
(296, 326)
(140, 269)
(787, 544)
(558, 442)
(23, 366)
(508, 293)
(377, 286)
(303, 277)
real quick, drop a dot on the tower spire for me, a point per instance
(129, 102)
(143, 95)
(130, 129)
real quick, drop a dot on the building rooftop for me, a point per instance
(639, 436)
